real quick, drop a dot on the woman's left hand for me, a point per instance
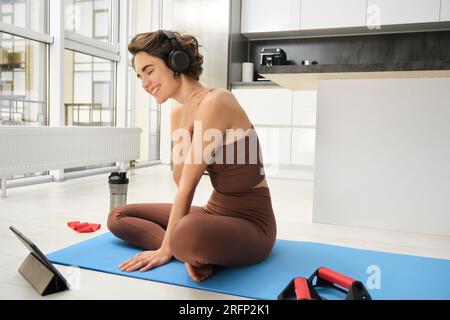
(146, 260)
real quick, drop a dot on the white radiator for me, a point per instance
(34, 149)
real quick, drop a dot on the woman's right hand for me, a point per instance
(147, 260)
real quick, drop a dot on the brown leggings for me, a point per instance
(198, 238)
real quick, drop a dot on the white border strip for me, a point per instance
(25, 33)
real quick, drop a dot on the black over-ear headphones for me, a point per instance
(178, 60)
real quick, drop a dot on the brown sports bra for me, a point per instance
(238, 166)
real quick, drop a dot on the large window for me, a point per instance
(91, 58)
(23, 65)
(93, 68)
(145, 111)
(89, 83)
(90, 18)
(27, 14)
(22, 81)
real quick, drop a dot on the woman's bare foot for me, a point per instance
(199, 273)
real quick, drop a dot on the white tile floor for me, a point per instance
(42, 211)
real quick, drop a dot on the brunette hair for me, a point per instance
(158, 45)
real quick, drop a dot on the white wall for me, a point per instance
(383, 154)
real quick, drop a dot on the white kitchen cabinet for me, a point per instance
(268, 15)
(445, 10)
(404, 11)
(270, 111)
(275, 145)
(304, 108)
(303, 146)
(266, 106)
(285, 123)
(321, 14)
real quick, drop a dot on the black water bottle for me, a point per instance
(118, 187)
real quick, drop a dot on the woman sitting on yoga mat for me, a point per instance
(237, 225)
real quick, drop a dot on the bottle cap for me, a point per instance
(118, 178)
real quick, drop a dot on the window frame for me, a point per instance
(108, 51)
(26, 33)
(45, 39)
(87, 45)
(57, 39)
(41, 37)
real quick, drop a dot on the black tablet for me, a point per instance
(37, 253)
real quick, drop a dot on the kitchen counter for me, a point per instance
(300, 77)
(254, 84)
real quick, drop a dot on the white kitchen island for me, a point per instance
(382, 154)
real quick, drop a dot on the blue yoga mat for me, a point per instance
(400, 276)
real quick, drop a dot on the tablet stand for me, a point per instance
(40, 277)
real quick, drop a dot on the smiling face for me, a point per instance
(157, 79)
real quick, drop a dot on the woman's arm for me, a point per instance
(182, 120)
(177, 167)
(211, 115)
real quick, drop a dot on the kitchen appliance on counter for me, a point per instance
(272, 57)
(307, 62)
